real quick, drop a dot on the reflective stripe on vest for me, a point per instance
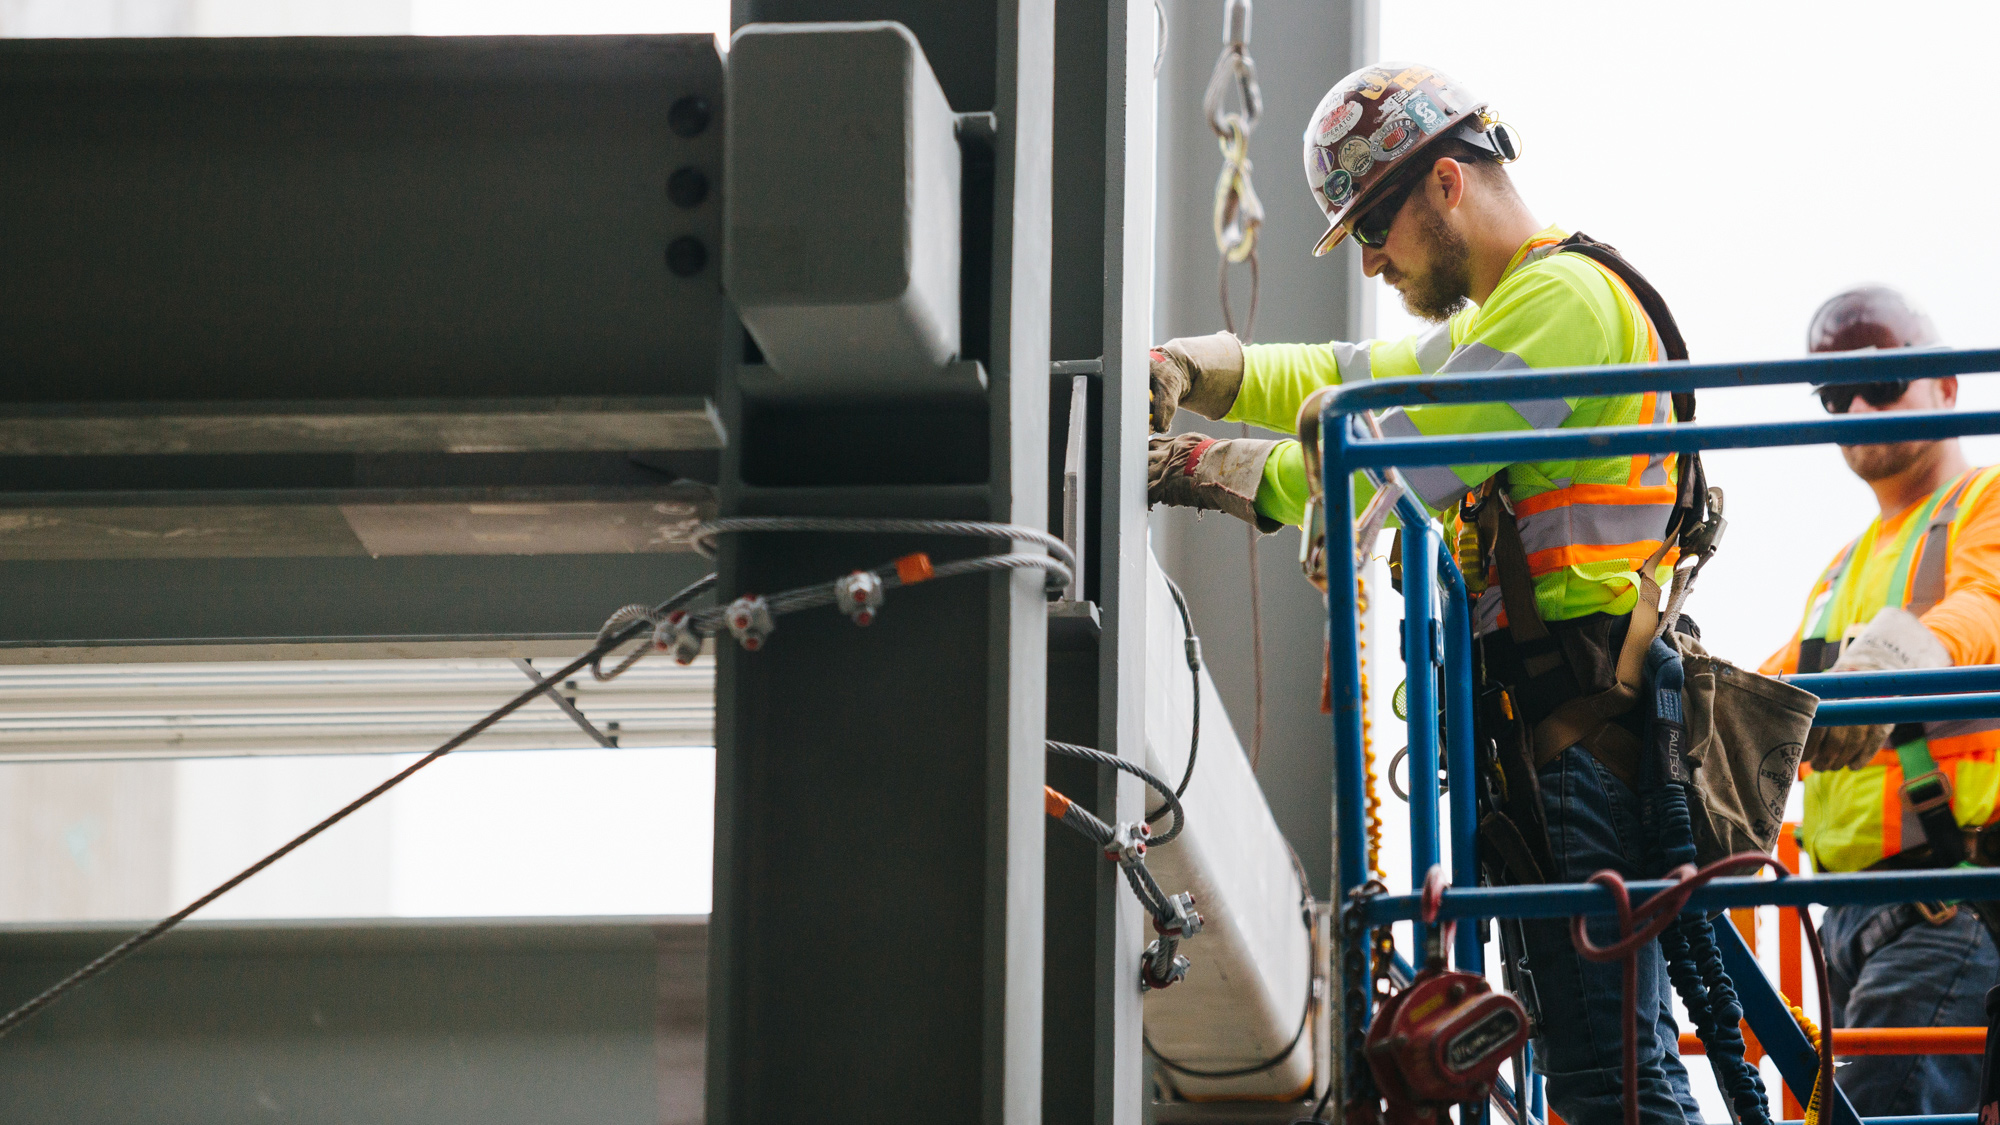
(1856, 818)
(1580, 524)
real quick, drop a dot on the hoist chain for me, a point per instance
(1357, 981)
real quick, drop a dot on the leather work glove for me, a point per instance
(1896, 641)
(1216, 474)
(1202, 373)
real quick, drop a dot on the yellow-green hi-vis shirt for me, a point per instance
(1587, 524)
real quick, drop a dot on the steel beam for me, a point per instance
(100, 610)
(277, 314)
(434, 425)
(396, 1021)
(877, 930)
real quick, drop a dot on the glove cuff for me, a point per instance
(1896, 641)
(1223, 475)
(1215, 371)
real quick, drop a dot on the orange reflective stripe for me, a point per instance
(1595, 494)
(1637, 310)
(1962, 745)
(1541, 562)
(1892, 806)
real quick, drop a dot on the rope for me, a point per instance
(1238, 216)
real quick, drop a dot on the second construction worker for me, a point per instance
(1410, 165)
(1920, 588)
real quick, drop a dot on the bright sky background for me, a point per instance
(1750, 160)
(571, 17)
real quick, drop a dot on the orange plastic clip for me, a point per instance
(1055, 803)
(912, 569)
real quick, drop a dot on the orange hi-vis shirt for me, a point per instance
(1855, 818)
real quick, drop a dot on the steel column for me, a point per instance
(879, 880)
(1102, 294)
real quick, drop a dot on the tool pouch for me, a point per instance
(1745, 734)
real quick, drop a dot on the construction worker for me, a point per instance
(1410, 164)
(1920, 588)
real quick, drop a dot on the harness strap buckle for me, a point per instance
(1939, 914)
(1939, 796)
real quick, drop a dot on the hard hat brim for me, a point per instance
(1335, 232)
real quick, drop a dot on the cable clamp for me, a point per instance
(1180, 919)
(1128, 842)
(677, 634)
(859, 595)
(1163, 965)
(750, 621)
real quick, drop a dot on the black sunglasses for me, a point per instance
(1839, 397)
(1371, 229)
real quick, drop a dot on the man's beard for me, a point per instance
(1880, 462)
(1447, 286)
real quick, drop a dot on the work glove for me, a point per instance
(1202, 373)
(1216, 474)
(1896, 641)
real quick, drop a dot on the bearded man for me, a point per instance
(1412, 165)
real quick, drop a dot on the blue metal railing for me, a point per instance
(1440, 636)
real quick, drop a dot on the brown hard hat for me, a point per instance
(1872, 316)
(1377, 119)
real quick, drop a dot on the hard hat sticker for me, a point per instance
(1338, 187)
(1424, 112)
(1356, 157)
(1338, 122)
(1321, 165)
(1393, 138)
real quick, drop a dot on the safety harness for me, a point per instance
(1550, 686)
(1925, 786)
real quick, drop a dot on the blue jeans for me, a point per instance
(1593, 825)
(1924, 976)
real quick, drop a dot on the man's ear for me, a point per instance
(1449, 175)
(1947, 390)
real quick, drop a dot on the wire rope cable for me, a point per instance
(1191, 643)
(629, 623)
(1173, 804)
(704, 540)
(133, 944)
